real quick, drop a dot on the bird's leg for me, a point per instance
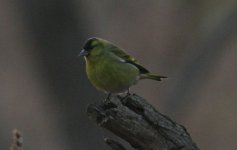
(128, 94)
(107, 98)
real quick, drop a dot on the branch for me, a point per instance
(140, 124)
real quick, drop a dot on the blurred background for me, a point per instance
(44, 90)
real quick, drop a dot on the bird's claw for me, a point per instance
(107, 99)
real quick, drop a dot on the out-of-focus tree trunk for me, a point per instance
(22, 94)
(59, 34)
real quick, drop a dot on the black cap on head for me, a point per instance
(88, 46)
(89, 42)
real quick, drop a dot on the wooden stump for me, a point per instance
(137, 122)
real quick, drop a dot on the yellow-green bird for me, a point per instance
(110, 69)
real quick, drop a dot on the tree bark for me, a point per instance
(134, 120)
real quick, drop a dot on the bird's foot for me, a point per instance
(107, 98)
(127, 95)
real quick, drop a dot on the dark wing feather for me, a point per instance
(128, 59)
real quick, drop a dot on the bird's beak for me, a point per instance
(83, 53)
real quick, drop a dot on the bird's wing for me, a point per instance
(128, 59)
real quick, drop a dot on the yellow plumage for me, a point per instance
(110, 69)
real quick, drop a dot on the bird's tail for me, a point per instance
(152, 76)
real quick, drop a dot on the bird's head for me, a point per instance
(94, 47)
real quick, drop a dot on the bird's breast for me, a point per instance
(112, 76)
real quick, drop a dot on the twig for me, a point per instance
(17, 140)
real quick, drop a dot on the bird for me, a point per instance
(111, 69)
